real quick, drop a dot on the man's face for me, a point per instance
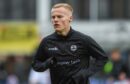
(61, 18)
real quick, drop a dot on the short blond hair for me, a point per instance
(65, 5)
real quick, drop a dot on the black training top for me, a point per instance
(68, 57)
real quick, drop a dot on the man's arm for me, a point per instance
(98, 53)
(41, 61)
(42, 66)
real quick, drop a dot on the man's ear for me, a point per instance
(71, 18)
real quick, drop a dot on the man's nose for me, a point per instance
(55, 19)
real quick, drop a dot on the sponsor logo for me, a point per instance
(71, 62)
(53, 49)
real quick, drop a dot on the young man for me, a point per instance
(67, 52)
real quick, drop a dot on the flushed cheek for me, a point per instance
(64, 21)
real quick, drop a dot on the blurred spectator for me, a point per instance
(116, 69)
(117, 62)
(11, 78)
(22, 68)
(122, 79)
(128, 64)
(3, 73)
(110, 80)
(39, 77)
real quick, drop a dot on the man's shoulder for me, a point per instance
(50, 37)
(80, 34)
(46, 39)
(86, 38)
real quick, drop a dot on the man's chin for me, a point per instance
(58, 30)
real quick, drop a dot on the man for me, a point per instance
(67, 52)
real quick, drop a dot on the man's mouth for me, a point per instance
(56, 25)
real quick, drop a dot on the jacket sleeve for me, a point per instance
(98, 54)
(41, 61)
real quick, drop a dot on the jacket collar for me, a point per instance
(68, 35)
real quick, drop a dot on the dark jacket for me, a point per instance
(68, 57)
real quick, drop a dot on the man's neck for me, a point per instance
(64, 32)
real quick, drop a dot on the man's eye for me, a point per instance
(59, 16)
(53, 17)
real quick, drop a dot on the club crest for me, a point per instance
(73, 47)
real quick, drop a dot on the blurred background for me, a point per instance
(23, 23)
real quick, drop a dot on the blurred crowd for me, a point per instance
(17, 70)
(116, 70)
